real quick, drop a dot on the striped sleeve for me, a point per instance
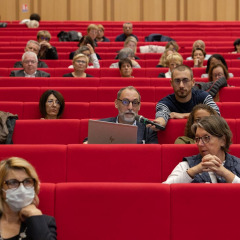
(163, 111)
(209, 101)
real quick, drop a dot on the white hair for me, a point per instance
(30, 54)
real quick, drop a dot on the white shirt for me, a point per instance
(30, 75)
(180, 175)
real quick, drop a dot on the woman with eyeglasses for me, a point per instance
(198, 112)
(47, 51)
(80, 64)
(213, 164)
(20, 217)
(51, 104)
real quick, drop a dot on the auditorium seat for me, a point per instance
(112, 211)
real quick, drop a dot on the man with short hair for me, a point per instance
(128, 103)
(127, 31)
(181, 102)
(29, 61)
(125, 68)
(32, 46)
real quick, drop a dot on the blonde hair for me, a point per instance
(174, 57)
(92, 26)
(131, 39)
(80, 55)
(101, 27)
(163, 58)
(44, 33)
(16, 163)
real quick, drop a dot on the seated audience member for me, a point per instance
(89, 52)
(29, 62)
(173, 60)
(51, 104)
(181, 102)
(20, 216)
(125, 68)
(32, 46)
(80, 64)
(163, 58)
(236, 45)
(172, 45)
(213, 60)
(128, 103)
(213, 164)
(100, 34)
(198, 55)
(130, 42)
(126, 53)
(199, 44)
(92, 31)
(127, 31)
(33, 21)
(198, 112)
(85, 41)
(47, 51)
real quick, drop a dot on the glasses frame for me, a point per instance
(184, 81)
(205, 139)
(19, 182)
(135, 102)
(51, 102)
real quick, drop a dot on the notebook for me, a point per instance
(100, 132)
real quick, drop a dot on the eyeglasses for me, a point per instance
(51, 102)
(205, 139)
(126, 102)
(29, 61)
(81, 61)
(184, 81)
(218, 75)
(45, 38)
(14, 183)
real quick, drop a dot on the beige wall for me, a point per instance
(123, 10)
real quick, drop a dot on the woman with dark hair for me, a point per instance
(236, 45)
(198, 112)
(213, 164)
(213, 60)
(51, 104)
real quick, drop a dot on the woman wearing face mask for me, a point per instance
(19, 216)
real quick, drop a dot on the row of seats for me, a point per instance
(141, 210)
(100, 94)
(74, 131)
(100, 163)
(114, 72)
(81, 110)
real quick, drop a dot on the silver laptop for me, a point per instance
(100, 132)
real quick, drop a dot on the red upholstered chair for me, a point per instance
(12, 107)
(101, 163)
(47, 198)
(161, 92)
(83, 129)
(113, 211)
(73, 82)
(230, 109)
(229, 94)
(59, 131)
(48, 160)
(202, 199)
(102, 110)
(123, 82)
(23, 82)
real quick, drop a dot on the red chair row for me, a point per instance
(100, 94)
(81, 110)
(107, 211)
(74, 131)
(100, 163)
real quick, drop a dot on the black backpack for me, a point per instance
(156, 37)
(71, 36)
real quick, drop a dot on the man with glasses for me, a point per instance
(32, 46)
(29, 62)
(181, 102)
(127, 31)
(128, 103)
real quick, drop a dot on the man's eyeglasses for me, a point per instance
(81, 61)
(218, 75)
(51, 102)
(45, 38)
(14, 183)
(29, 61)
(126, 102)
(184, 81)
(205, 139)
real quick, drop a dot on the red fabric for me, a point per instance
(113, 211)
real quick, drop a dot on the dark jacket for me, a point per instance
(41, 64)
(20, 73)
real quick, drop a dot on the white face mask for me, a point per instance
(20, 197)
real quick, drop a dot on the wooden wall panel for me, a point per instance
(127, 10)
(79, 10)
(226, 10)
(8, 10)
(203, 10)
(153, 10)
(22, 14)
(172, 10)
(98, 10)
